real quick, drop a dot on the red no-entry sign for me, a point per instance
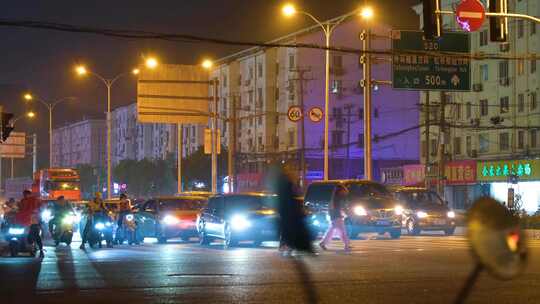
(470, 15)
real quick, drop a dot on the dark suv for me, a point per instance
(424, 210)
(370, 207)
(239, 217)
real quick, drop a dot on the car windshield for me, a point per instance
(181, 204)
(319, 193)
(251, 202)
(422, 198)
(369, 189)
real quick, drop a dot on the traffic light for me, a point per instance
(432, 21)
(5, 125)
(498, 26)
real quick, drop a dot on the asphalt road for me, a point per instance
(423, 269)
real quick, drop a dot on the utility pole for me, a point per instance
(427, 114)
(12, 167)
(301, 72)
(180, 136)
(232, 146)
(442, 145)
(348, 108)
(34, 153)
(214, 136)
(367, 81)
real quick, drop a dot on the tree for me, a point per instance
(198, 168)
(89, 178)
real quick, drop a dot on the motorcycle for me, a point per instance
(129, 230)
(17, 236)
(102, 230)
(62, 231)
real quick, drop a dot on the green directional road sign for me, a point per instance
(425, 72)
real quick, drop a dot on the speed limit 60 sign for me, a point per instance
(295, 113)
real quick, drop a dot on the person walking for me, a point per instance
(335, 211)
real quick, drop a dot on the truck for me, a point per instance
(49, 184)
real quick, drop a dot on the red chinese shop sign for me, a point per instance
(413, 175)
(460, 172)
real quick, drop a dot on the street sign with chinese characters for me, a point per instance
(413, 175)
(503, 170)
(460, 172)
(435, 71)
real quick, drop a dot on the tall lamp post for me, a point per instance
(50, 105)
(81, 70)
(328, 28)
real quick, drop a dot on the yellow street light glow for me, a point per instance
(207, 64)
(31, 114)
(288, 10)
(81, 70)
(367, 12)
(28, 96)
(136, 71)
(151, 63)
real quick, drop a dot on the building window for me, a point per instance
(337, 61)
(504, 141)
(277, 68)
(468, 145)
(291, 60)
(337, 138)
(250, 72)
(533, 27)
(361, 140)
(361, 113)
(277, 93)
(259, 141)
(291, 137)
(260, 70)
(259, 97)
(483, 37)
(534, 101)
(468, 110)
(457, 145)
(483, 142)
(503, 69)
(376, 113)
(484, 111)
(520, 66)
(259, 121)
(457, 108)
(337, 86)
(533, 66)
(484, 72)
(532, 138)
(521, 139)
(250, 97)
(521, 102)
(434, 147)
(520, 28)
(505, 104)
(224, 81)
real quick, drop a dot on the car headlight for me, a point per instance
(170, 220)
(100, 226)
(451, 214)
(129, 217)
(398, 210)
(16, 231)
(69, 219)
(239, 222)
(108, 224)
(360, 211)
(316, 223)
(46, 215)
(421, 214)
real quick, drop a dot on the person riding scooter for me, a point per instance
(61, 225)
(93, 209)
(28, 216)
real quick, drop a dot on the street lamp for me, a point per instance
(328, 27)
(50, 105)
(29, 114)
(81, 70)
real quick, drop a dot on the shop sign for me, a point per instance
(413, 174)
(460, 172)
(505, 169)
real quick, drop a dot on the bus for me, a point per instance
(49, 184)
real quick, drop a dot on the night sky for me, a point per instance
(42, 61)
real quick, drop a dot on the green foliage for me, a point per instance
(89, 179)
(197, 168)
(146, 178)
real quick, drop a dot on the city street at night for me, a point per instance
(422, 269)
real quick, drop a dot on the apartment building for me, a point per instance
(499, 120)
(259, 85)
(83, 142)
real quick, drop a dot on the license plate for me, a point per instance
(439, 222)
(382, 223)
